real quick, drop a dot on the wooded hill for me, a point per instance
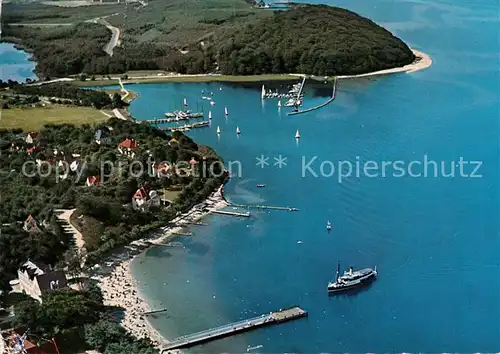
(192, 37)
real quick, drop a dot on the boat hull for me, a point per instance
(362, 282)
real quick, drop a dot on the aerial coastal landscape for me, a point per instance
(236, 176)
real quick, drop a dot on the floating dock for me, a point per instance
(283, 315)
(232, 213)
(319, 106)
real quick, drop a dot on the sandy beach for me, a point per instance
(422, 61)
(119, 286)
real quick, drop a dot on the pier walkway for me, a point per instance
(232, 213)
(264, 207)
(276, 317)
(319, 106)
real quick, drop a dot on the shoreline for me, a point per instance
(119, 286)
(422, 61)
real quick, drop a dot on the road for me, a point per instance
(115, 38)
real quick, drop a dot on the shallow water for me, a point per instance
(15, 64)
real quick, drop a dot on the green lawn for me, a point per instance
(32, 119)
(193, 78)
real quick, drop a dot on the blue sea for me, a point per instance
(432, 231)
(15, 64)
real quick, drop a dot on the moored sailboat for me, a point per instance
(238, 132)
(297, 135)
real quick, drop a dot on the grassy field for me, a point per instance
(186, 78)
(32, 119)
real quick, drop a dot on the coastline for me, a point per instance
(119, 286)
(421, 62)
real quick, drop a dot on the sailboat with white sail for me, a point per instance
(297, 135)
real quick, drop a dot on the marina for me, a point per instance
(276, 317)
(318, 106)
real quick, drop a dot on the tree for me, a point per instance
(99, 335)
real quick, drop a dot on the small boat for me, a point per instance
(263, 94)
(212, 103)
(185, 102)
(261, 185)
(279, 103)
(238, 132)
(210, 115)
(225, 111)
(297, 135)
(328, 226)
(351, 279)
(299, 242)
(218, 130)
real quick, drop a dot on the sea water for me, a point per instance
(434, 239)
(15, 64)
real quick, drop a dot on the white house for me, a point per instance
(35, 281)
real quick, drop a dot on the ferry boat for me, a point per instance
(351, 279)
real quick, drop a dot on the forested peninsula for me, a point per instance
(230, 37)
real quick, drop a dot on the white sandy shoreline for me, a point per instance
(422, 61)
(119, 287)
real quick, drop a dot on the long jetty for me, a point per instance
(202, 124)
(155, 311)
(275, 317)
(319, 106)
(264, 207)
(232, 213)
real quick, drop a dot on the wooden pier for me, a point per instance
(319, 106)
(232, 213)
(264, 207)
(283, 315)
(155, 311)
(185, 127)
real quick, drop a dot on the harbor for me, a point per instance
(331, 99)
(276, 317)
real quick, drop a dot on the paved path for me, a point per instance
(65, 215)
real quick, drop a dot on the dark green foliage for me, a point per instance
(60, 312)
(107, 219)
(311, 39)
(317, 40)
(109, 337)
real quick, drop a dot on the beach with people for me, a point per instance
(120, 289)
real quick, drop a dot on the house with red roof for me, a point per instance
(30, 225)
(34, 149)
(92, 181)
(128, 147)
(32, 137)
(163, 169)
(144, 198)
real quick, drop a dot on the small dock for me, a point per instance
(265, 207)
(280, 316)
(319, 106)
(180, 233)
(232, 213)
(155, 311)
(186, 127)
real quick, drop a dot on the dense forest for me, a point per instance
(194, 37)
(317, 40)
(108, 220)
(16, 94)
